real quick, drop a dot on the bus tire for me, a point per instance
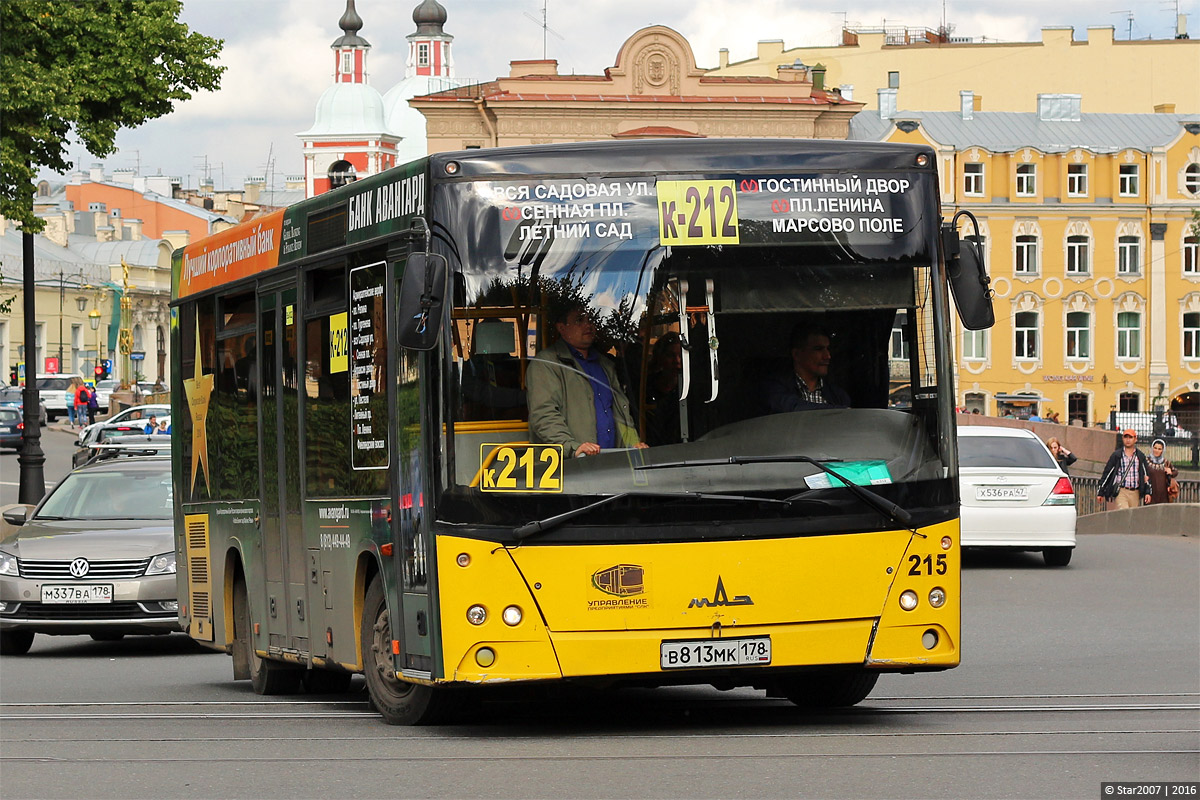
(1057, 556)
(15, 643)
(398, 702)
(830, 689)
(266, 676)
(326, 681)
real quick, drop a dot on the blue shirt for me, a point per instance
(602, 396)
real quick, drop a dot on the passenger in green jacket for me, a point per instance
(574, 397)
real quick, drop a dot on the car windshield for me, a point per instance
(50, 384)
(108, 434)
(111, 494)
(1002, 451)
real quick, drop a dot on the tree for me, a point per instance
(87, 69)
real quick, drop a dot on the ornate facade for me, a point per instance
(654, 90)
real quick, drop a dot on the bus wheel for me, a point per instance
(1057, 556)
(15, 643)
(830, 689)
(397, 701)
(326, 681)
(266, 676)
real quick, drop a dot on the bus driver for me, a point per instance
(574, 397)
(806, 385)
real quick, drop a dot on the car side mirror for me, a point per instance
(422, 296)
(17, 516)
(969, 280)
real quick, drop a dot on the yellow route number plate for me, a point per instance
(509, 467)
(697, 212)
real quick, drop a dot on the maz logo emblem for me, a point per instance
(79, 568)
(720, 598)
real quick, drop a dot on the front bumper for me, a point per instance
(142, 605)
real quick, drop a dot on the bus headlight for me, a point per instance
(937, 597)
(476, 615)
(908, 600)
(512, 615)
(946, 542)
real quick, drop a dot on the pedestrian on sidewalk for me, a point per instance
(1162, 474)
(1062, 455)
(69, 401)
(1125, 482)
(93, 405)
(81, 402)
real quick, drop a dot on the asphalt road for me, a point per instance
(1070, 678)
(58, 444)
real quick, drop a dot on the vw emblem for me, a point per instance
(79, 568)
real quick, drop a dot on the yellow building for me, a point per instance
(1090, 239)
(930, 69)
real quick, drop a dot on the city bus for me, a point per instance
(360, 488)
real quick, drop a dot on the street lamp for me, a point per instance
(94, 321)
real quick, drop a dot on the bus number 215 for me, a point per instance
(520, 468)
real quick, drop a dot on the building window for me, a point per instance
(1025, 335)
(341, 173)
(1026, 180)
(423, 54)
(893, 80)
(1077, 255)
(1191, 255)
(899, 337)
(347, 62)
(1129, 180)
(973, 179)
(1077, 175)
(1191, 180)
(1191, 336)
(974, 345)
(1129, 335)
(1128, 252)
(1128, 402)
(1026, 255)
(1077, 407)
(1079, 327)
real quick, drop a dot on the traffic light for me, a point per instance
(99, 372)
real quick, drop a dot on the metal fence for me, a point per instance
(1086, 501)
(1182, 446)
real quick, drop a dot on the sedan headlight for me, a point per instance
(8, 565)
(162, 565)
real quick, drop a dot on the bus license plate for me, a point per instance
(78, 593)
(1001, 492)
(695, 653)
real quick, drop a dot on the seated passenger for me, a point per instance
(804, 386)
(574, 397)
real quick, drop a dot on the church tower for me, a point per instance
(349, 138)
(429, 69)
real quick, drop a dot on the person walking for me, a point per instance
(1125, 482)
(1162, 474)
(1062, 455)
(93, 405)
(81, 402)
(69, 401)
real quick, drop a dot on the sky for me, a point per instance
(279, 62)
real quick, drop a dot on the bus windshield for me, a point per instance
(718, 371)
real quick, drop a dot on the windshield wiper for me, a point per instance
(886, 507)
(542, 525)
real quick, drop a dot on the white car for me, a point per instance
(1013, 493)
(104, 390)
(133, 414)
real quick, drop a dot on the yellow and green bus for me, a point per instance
(359, 487)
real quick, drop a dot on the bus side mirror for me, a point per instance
(969, 280)
(422, 296)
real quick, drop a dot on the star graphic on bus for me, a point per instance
(199, 391)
